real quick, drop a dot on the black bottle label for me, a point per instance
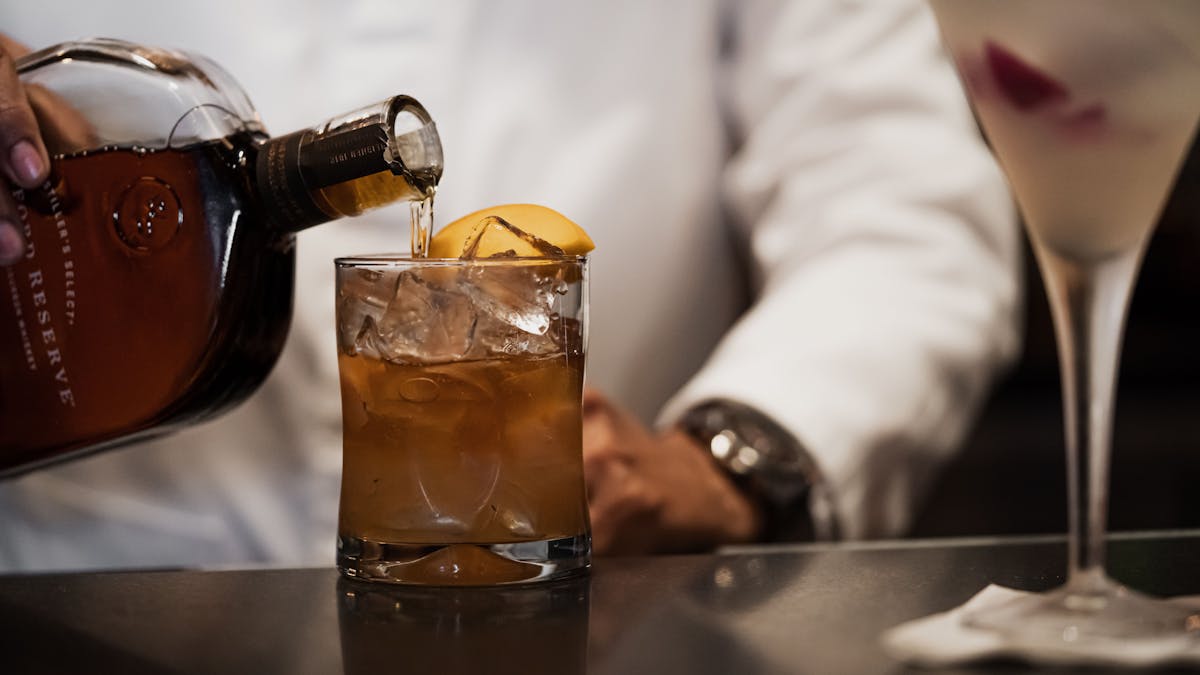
(288, 202)
(344, 155)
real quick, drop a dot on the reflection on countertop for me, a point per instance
(756, 611)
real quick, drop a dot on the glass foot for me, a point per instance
(464, 564)
(1093, 611)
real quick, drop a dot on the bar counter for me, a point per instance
(747, 611)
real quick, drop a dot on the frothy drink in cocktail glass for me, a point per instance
(462, 384)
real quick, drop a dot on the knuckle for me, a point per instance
(642, 498)
(14, 112)
(606, 453)
(16, 115)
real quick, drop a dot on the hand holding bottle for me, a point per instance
(23, 158)
(164, 188)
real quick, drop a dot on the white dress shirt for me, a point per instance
(790, 204)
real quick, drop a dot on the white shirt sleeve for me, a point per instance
(883, 243)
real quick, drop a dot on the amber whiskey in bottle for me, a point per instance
(156, 288)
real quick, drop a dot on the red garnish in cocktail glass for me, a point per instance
(1032, 90)
(1023, 85)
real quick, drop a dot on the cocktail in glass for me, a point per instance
(1090, 106)
(462, 385)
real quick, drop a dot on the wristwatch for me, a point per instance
(770, 465)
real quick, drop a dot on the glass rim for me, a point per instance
(388, 260)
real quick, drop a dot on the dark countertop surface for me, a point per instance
(798, 609)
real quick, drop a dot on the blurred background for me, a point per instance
(1010, 478)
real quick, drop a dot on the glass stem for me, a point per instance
(1088, 301)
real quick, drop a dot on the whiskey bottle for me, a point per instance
(156, 288)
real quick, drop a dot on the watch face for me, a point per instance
(750, 444)
(735, 427)
(768, 462)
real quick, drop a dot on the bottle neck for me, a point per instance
(288, 202)
(379, 155)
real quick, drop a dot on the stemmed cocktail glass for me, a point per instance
(1090, 106)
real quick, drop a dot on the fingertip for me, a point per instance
(12, 246)
(28, 165)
